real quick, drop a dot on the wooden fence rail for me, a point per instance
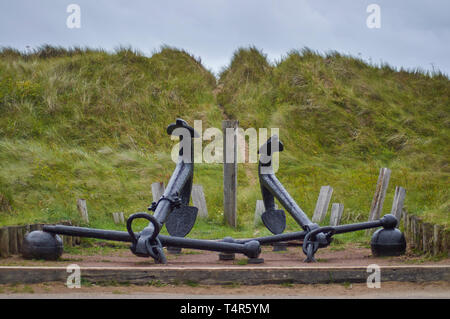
(322, 204)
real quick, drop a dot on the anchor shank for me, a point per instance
(275, 238)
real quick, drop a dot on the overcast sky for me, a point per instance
(412, 33)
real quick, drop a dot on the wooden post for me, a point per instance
(322, 204)
(413, 223)
(115, 218)
(4, 242)
(405, 221)
(419, 234)
(259, 210)
(427, 233)
(82, 208)
(21, 230)
(230, 171)
(199, 201)
(380, 194)
(397, 204)
(437, 235)
(336, 214)
(157, 190)
(406, 226)
(118, 218)
(445, 241)
(13, 240)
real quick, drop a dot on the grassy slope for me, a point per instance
(83, 123)
(341, 120)
(91, 124)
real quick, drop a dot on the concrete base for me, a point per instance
(246, 275)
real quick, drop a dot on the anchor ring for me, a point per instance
(150, 218)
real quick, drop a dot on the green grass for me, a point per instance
(191, 283)
(241, 262)
(83, 123)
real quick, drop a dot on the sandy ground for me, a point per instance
(351, 255)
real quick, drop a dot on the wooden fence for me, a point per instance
(425, 237)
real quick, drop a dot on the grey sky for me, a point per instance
(413, 33)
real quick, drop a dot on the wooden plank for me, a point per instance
(427, 235)
(229, 129)
(336, 214)
(4, 242)
(82, 209)
(259, 210)
(397, 204)
(413, 232)
(322, 204)
(437, 236)
(245, 275)
(405, 221)
(157, 190)
(115, 218)
(199, 201)
(379, 196)
(118, 218)
(446, 241)
(419, 234)
(407, 226)
(380, 193)
(21, 231)
(13, 240)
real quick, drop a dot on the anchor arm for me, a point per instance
(271, 187)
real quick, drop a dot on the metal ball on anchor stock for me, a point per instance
(388, 241)
(42, 245)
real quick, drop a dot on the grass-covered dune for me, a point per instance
(84, 123)
(341, 120)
